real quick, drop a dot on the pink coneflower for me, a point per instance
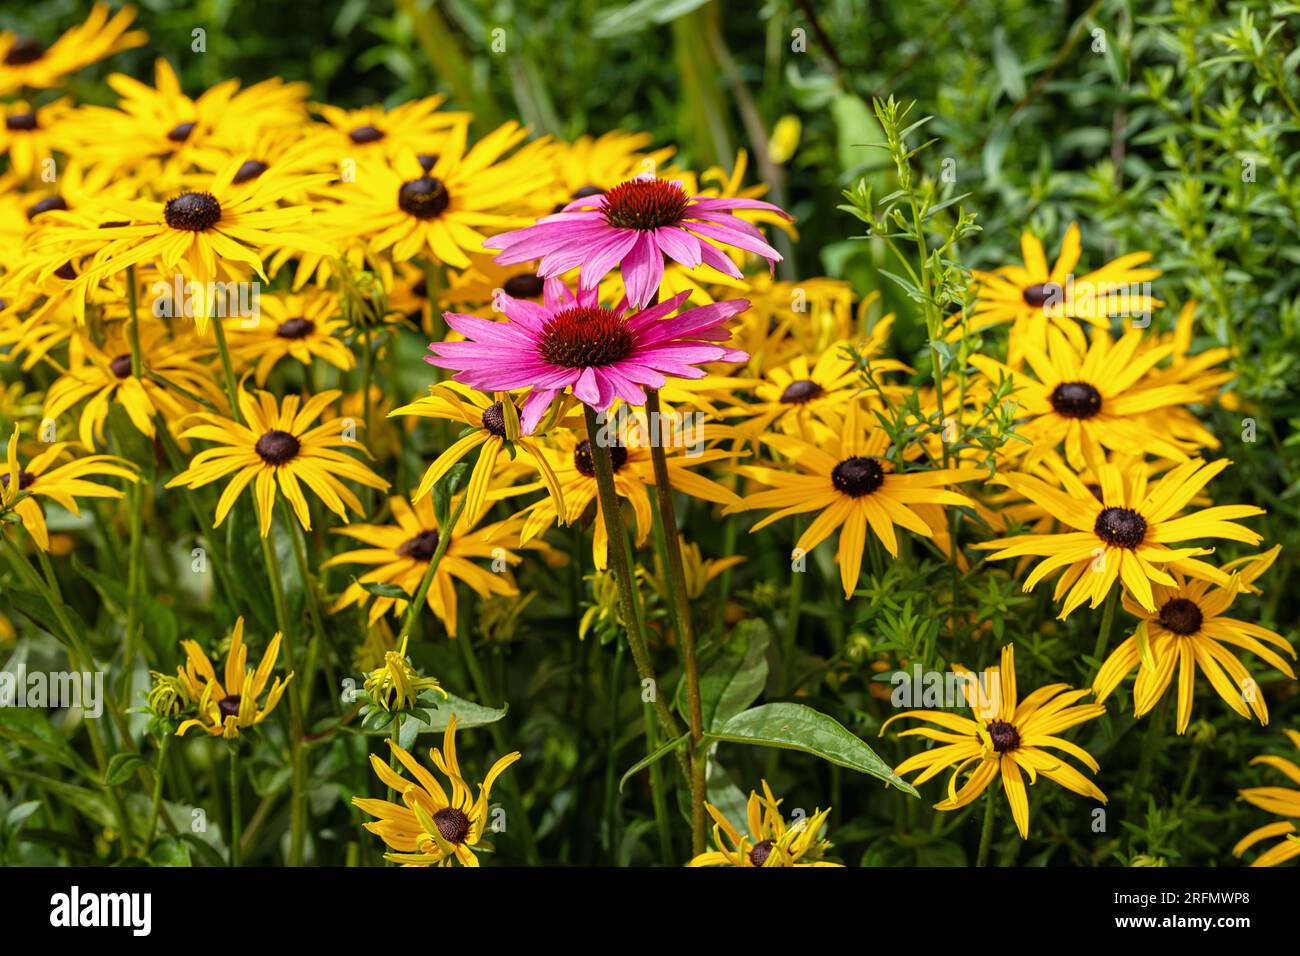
(572, 342)
(634, 225)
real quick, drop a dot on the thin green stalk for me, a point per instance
(155, 804)
(297, 752)
(236, 825)
(313, 608)
(986, 831)
(620, 562)
(1107, 624)
(227, 369)
(675, 577)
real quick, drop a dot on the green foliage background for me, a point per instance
(1138, 120)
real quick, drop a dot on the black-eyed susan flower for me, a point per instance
(234, 703)
(418, 127)
(44, 477)
(1189, 631)
(1103, 397)
(302, 327)
(492, 428)
(207, 233)
(30, 135)
(1282, 801)
(1124, 534)
(854, 487)
(439, 212)
(432, 827)
(1034, 298)
(25, 62)
(575, 470)
(770, 842)
(1007, 738)
(278, 448)
(400, 554)
(175, 380)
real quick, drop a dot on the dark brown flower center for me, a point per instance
(366, 134)
(645, 204)
(423, 198)
(298, 328)
(523, 286)
(192, 212)
(1075, 400)
(801, 392)
(452, 824)
(1036, 296)
(761, 851)
(277, 447)
(24, 50)
(21, 122)
(181, 132)
(583, 461)
(1181, 616)
(421, 547)
(120, 366)
(25, 478)
(494, 419)
(45, 205)
(585, 338)
(249, 170)
(857, 476)
(1121, 527)
(229, 706)
(1005, 737)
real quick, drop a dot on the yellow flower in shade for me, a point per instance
(174, 367)
(417, 127)
(770, 841)
(396, 685)
(432, 828)
(1189, 631)
(575, 471)
(1124, 533)
(26, 62)
(401, 552)
(698, 571)
(217, 231)
(226, 707)
(1007, 736)
(301, 327)
(439, 212)
(794, 396)
(1035, 298)
(591, 165)
(1107, 396)
(493, 429)
(278, 445)
(160, 133)
(30, 135)
(853, 487)
(1283, 801)
(63, 484)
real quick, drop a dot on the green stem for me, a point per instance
(620, 562)
(297, 752)
(155, 804)
(676, 586)
(986, 832)
(1103, 634)
(227, 370)
(236, 825)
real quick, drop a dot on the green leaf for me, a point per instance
(733, 681)
(468, 714)
(31, 730)
(656, 754)
(121, 767)
(380, 589)
(798, 727)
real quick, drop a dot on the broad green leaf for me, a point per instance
(121, 767)
(798, 727)
(733, 680)
(658, 753)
